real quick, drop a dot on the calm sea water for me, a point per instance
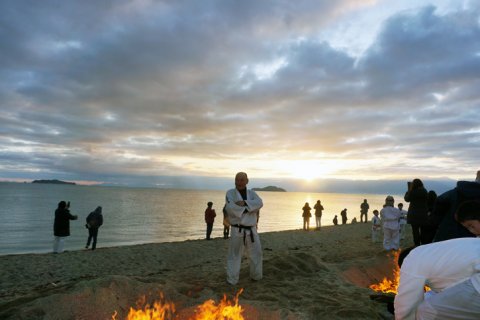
(136, 215)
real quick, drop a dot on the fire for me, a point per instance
(209, 310)
(391, 286)
(387, 285)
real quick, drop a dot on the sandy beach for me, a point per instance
(307, 275)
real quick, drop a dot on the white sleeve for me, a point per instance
(254, 202)
(233, 210)
(409, 296)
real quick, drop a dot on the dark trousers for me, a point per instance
(209, 230)
(422, 234)
(226, 232)
(92, 235)
(362, 214)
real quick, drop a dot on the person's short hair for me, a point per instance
(403, 254)
(468, 210)
(209, 203)
(62, 204)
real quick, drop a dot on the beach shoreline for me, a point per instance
(307, 275)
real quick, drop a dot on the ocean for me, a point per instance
(148, 215)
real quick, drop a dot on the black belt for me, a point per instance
(240, 227)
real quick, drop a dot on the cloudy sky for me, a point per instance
(121, 91)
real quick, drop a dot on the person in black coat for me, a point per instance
(417, 215)
(61, 225)
(94, 221)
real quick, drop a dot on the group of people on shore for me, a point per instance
(61, 226)
(445, 256)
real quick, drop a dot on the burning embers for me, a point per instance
(165, 310)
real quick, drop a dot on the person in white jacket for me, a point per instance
(242, 206)
(390, 222)
(451, 269)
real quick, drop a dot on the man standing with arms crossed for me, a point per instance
(242, 206)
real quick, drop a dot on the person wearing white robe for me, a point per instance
(390, 222)
(451, 269)
(242, 206)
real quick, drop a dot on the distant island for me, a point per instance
(270, 188)
(55, 181)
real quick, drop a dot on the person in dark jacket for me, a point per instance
(94, 221)
(210, 215)
(417, 216)
(447, 204)
(61, 225)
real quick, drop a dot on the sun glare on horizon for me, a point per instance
(308, 170)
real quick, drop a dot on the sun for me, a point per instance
(308, 170)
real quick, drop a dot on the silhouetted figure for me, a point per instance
(94, 222)
(318, 213)
(417, 217)
(306, 216)
(210, 215)
(226, 224)
(447, 204)
(335, 220)
(61, 225)
(344, 216)
(364, 211)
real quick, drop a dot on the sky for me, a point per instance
(130, 92)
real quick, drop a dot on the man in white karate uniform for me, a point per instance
(451, 269)
(242, 206)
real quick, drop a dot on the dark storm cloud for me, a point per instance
(159, 87)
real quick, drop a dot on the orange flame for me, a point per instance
(209, 310)
(387, 285)
(391, 286)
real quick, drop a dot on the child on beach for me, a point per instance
(209, 218)
(403, 220)
(376, 226)
(335, 220)
(390, 220)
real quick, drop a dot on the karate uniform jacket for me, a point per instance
(439, 265)
(239, 215)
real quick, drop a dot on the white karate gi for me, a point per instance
(241, 238)
(391, 228)
(376, 228)
(403, 223)
(451, 269)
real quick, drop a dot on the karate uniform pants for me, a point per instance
(376, 235)
(461, 301)
(58, 244)
(391, 239)
(235, 253)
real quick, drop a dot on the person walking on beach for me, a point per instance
(403, 220)
(364, 206)
(209, 218)
(61, 226)
(318, 214)
(335, 220)
(417, 217)
(94, 222)
(390, 217)
(376, 227)
(344, 216)
(306, 216)
(242, 206)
